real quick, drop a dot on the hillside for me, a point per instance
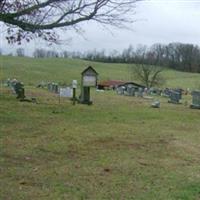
(118, 148)
(32, 71)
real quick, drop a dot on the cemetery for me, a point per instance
(99, 100)
(57, 149)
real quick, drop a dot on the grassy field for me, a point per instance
(33, 71)
(119, 148)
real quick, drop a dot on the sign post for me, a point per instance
(74, 86)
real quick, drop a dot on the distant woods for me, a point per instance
(178, 56)
(182, 57)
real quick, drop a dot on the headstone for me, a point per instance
(120, 90)
(166, 92)
(56, 88)
(179, 91)
(195, 100)
(155, 104)
(53, 87)
(49, 86)
(140, 92)
(175, 97)
(130, 91)
(19, 90)
(66, 92)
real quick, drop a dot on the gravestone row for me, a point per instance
(53, 87)
(88, 80)
(130, 91)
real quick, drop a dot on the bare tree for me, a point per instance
(36, 18)
(147, 71)
(149, 75)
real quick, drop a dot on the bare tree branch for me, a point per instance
(36, 16)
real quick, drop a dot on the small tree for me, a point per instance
(149, 75)
(147, 71)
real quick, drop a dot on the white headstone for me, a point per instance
(66, 92)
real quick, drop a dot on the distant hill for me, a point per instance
(32, 71)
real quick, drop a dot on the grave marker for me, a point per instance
(175, 97)
(66, 92)
(155, 104)
(19, 90)
(195, 100)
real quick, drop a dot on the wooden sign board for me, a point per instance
(89, 77)
(89, 81)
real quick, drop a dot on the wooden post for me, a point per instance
(74, 86)
(74, 96)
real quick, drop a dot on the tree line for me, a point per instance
(178, 56)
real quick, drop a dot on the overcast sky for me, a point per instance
(158, 21)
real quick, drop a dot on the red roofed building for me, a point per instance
(109, 84)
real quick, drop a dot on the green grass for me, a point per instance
(32, 71)
(119, 148)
